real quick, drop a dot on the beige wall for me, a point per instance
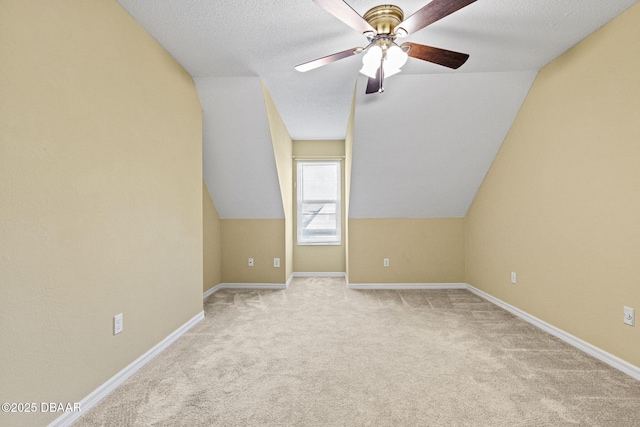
(100, 194)
(420, 250)
(348, 159)
(319, 258)
(560, 203)
(260, 239)
(211, 241)
(282, 150)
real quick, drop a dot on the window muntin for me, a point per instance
(319, 203)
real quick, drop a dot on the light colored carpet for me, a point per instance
(318, 354)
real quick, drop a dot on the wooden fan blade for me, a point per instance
(431, 13)
(327, 59)
(447, 58)
(346, 14)
(373, 84)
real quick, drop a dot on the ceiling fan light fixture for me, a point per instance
(371, 61)
(382, 25)
(396, 57)
(389, 70)
(369, 71)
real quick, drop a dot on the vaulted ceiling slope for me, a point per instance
(237, 153)
(420, 149)
(423, 163)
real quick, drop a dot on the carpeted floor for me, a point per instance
(319, 354)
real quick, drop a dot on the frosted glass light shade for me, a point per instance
(396, 58)
(389, 70)
(371, 61)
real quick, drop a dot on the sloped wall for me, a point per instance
(348, 161)
(240, 168)
(282, 150)
(100, 194)
(560, 203)
(244, 139)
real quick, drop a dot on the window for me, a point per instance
(319, 203)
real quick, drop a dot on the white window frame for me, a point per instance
(310, 239)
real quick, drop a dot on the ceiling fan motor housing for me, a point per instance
(384, 18)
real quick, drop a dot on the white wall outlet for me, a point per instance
(629, 316)
(276, 262)
(385, 262)
(513, 277)
(117, 324)
(250, 262)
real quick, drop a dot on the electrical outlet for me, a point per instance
(276, 262)
(117, 324)
(250, 262)
(385, 262)
(513, 277)
(629, 316)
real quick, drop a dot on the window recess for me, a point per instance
(318, 185)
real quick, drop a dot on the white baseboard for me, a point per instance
(101, 392)
(407, 286)
(222, 286)
(576, 342)
(319, 274)
(211, 291)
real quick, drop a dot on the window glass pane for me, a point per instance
(318, 217)
(320, 182)
(319, 202)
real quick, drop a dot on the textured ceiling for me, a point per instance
(427, 112)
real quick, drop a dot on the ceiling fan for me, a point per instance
(381, 26)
